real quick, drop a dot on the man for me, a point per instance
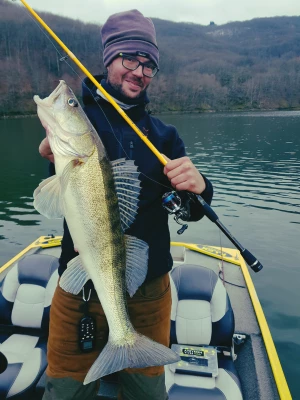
(131, 57)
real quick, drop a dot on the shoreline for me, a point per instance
(34, 115)
(227, 111)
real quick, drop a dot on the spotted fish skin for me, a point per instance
(98, 199)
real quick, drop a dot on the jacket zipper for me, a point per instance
(131, 147)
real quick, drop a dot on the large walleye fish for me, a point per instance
(98, 199)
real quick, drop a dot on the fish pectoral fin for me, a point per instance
(74, 277)
(136, 263)
(47, 198)
(67, 171)
(127, 183)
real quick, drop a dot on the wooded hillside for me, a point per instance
(240, 65)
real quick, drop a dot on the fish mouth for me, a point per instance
(44, 110)
(45, 104)
(47, 101)
(53, 114)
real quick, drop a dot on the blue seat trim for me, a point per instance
(226, 363)
(45, 319)
(29, 392)
(42, 344)
(37, 269)
(177, 392)
(5, 310)
(3, 336)
(223, 330)
(3, 362)
(8, 377)
(173, 337)
(194, 282)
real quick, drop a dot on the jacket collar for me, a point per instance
(90, 96)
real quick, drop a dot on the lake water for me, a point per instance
(253, 160)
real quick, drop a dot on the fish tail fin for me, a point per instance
(144, 352)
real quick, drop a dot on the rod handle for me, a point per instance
(208, 211)
(253, 263)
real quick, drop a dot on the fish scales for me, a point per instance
(101, 206)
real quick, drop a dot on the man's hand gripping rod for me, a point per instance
(208, 211)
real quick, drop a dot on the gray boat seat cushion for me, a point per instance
(202, 315)
(25, 298)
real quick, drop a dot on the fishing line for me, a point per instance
(222, 261)
(230, 283)
(221, 268)
(64, 59)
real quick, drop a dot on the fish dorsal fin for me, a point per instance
(47, 198)
(128, 189)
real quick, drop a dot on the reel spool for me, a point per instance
(172, 203)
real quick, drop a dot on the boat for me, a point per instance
(212, 292)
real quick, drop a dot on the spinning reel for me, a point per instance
(171, 202)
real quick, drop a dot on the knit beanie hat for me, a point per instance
(129, 32)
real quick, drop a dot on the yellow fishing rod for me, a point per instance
(171, 201)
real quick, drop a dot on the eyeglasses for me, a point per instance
(132, 63)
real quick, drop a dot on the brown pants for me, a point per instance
(149, 311)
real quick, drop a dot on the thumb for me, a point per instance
(165, 157)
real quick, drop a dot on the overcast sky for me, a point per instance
(197, 11)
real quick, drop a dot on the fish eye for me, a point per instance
(72, 102)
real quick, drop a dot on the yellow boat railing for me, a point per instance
(41, 242)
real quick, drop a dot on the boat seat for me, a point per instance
(202, 315)
(25, 298)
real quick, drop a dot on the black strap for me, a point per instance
(12, 329)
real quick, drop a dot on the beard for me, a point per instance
(119, 88)
(117, 85)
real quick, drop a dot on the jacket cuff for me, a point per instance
(196, 209)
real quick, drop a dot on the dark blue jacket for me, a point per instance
(119, 139)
